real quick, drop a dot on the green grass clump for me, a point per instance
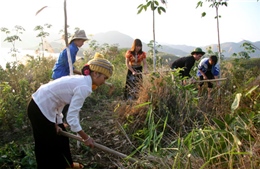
(168, 126)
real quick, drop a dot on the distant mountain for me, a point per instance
(185, 48)
(114, 38)
(229, 48)
(178, 50)
(125, 41)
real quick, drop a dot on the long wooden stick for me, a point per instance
(66, 39)
(109, 84)
(211, 80)
(99, 146)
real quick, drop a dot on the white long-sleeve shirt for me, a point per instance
(53, 96)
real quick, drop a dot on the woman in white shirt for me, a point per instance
(45, 112)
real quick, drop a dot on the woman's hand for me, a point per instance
(89, 142)
(58, 129)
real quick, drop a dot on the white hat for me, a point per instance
(79, 34)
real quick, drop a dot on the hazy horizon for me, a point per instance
(181, 24)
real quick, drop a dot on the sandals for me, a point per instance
(76, 165)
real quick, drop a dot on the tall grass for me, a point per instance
(174, 130)
(168, 126)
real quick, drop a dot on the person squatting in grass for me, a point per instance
(45, 112)
(208, 69)
(61, 67)
(134, 58)
(186, 63)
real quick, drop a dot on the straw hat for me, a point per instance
(79, 34)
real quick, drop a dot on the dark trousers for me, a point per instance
(65, 111)
(209, 76)
(133, 83)
(52, 151)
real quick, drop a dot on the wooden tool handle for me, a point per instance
(211, 80)
(109, 84)
(99, 146)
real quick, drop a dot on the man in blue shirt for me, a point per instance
(208, 69)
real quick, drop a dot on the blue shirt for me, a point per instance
(61, 67)
(204, 66)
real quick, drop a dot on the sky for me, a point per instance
(182, 23)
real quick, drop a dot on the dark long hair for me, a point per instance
(137, 42)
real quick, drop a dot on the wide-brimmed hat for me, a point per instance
(197, 50)
(79, 34)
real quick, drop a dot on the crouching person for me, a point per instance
(208, 69)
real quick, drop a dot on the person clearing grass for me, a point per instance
(208, 69)
(186, 63)
(52, 150)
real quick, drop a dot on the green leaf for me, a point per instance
(229, 119)
(152, 7)
(149, 3)
(224, 3)
(162, 9)
(203, 14)
(199, 4)
(159, 11)
(140, 10)
(235, 103)
(139, 6)
(220, 123)
(251, 90)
